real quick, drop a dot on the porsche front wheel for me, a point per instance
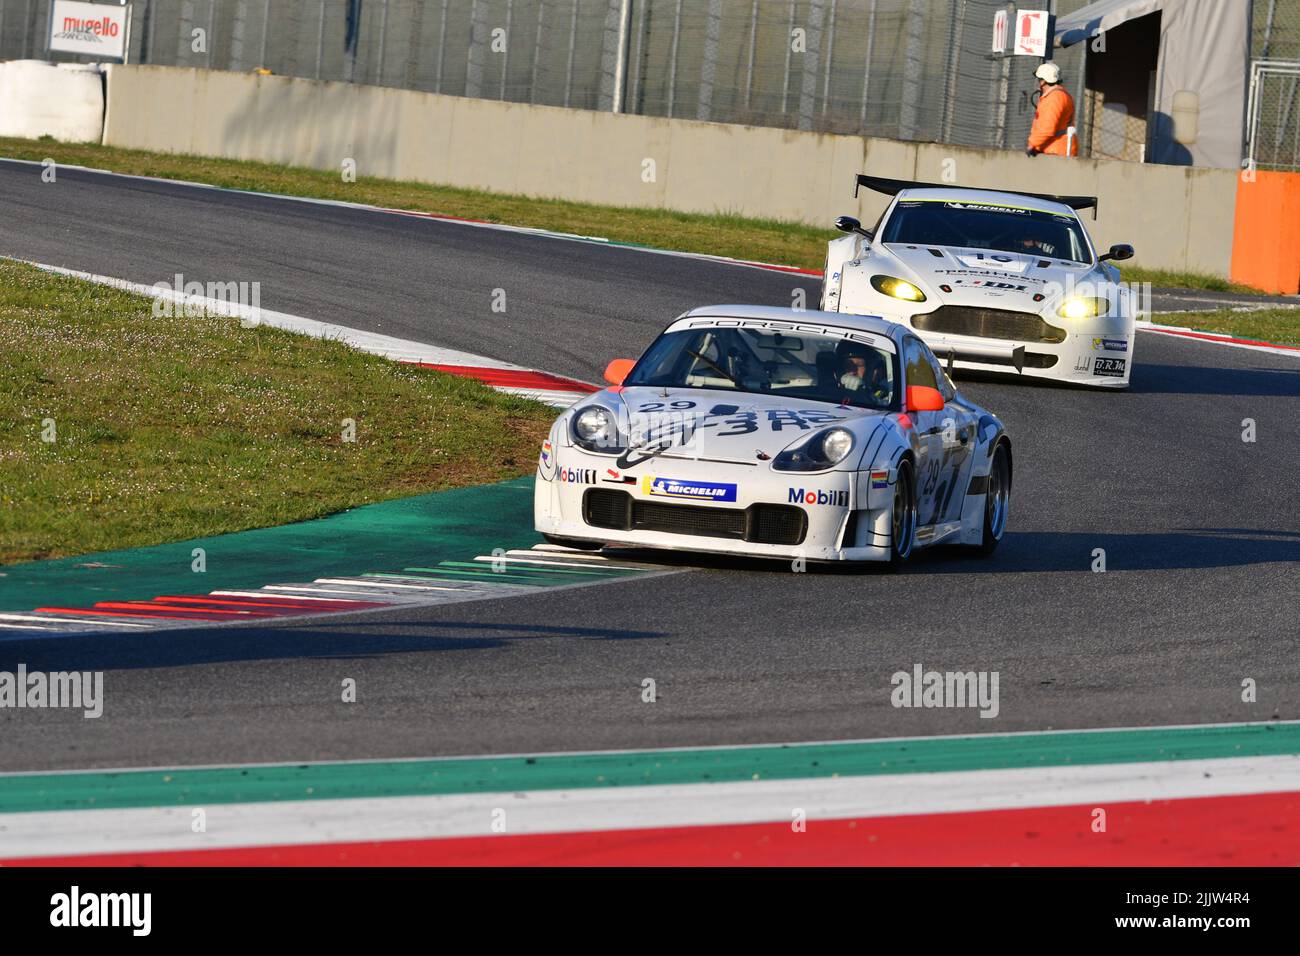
(997, 500)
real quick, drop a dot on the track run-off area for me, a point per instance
(1199, 531)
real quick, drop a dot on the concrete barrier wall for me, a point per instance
(1176, 217)
(38, 99)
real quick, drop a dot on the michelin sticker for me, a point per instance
(694, 490)
(1110, 345)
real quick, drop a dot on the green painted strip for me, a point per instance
(459, 524)
(145, 788)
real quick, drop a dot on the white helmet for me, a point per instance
(1048, 72)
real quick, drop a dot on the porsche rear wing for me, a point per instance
(892, 187)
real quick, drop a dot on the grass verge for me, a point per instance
(1281, 326)
(172, 428)
(1166, 279)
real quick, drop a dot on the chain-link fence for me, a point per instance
(1274, 120)
(903, 69)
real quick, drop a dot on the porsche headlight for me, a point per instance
(821, 451)
(1083, 307)
(897, 288)
(595, 429)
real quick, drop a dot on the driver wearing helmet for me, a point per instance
(862, 372)
(1036, 240)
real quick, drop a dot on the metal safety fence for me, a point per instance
(904, 69)
(1273, 108)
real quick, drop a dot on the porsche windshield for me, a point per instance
(812, 365)
(1030, 232)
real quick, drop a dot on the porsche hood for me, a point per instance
(718, 425)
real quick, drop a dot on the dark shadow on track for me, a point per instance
(1164, 380)
(322, 638)
(1030, 551)
(1206, 380)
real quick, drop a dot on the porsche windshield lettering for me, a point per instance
(808, 363)
(999, 228)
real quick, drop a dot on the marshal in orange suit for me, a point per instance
(1053, 117)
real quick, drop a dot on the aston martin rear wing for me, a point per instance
(892, 187)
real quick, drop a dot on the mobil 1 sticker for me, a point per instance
(1108, 366)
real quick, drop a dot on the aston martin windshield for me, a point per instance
(974, 225)
(846, 369)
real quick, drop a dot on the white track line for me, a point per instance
(102, 622)
(362, 582)
(487, 559)
(68, 832)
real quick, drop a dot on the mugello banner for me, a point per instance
(96, 29)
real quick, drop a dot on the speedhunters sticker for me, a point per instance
(1109, 366)
(693, 490)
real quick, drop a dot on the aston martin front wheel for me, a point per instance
(902, 536)
(997, 500)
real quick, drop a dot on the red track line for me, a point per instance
(243, 610)
(513, 378)
(286, 606)
(434, 215)
(773, 268)
(1251, 830)
(211, 613)
(91, 612)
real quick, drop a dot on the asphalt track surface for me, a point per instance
(1200, 532)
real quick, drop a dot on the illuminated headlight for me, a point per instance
(1083, 307)
(595, 429)
(897, 288)
(821, 451)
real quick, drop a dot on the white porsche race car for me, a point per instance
(992, 281)
(777, 433)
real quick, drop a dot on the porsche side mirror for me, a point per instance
(1118, 253)
(849, 224)
(618, 370)
(923, 398)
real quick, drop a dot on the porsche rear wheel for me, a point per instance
(997, 500)
(902, 538)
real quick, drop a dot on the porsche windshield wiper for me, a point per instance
(713, 365)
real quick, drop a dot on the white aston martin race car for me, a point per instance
(993, 281)
(777, 433)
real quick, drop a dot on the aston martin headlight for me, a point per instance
(595, 429)
(897, 288)
(1083, 307)
(823, 450)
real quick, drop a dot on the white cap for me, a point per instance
(1048, 72)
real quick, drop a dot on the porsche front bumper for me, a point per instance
(685, 504)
